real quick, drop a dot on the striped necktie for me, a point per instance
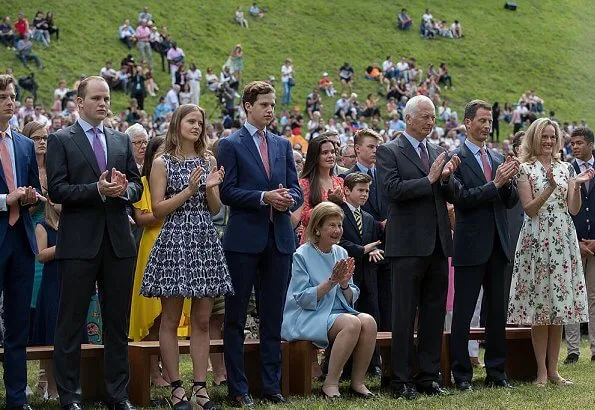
(358, 220)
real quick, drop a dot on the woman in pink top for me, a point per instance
(317, 178)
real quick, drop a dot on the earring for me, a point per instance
(317, 233)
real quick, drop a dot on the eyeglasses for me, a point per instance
(140, 143)
(39, 138)
(350, 156)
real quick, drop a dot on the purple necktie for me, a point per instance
(98, 150)
(423, 154)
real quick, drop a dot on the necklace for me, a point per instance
(319, 250)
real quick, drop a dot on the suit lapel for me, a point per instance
(272, 149)
(411, 153)
(495, 163)
(251, 147)
(80, 139)
(110, 142)
(19, 154)
(351, 218)
(472, 163)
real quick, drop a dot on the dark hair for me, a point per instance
(583, 132)
(474, 105)
(310, 171)
(365, 133)
(82, 90)
(355, 178)
(5, 80)
(152, 147)
(254, 89)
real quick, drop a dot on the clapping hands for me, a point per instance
(343, 271)
(117, 185)
(215, 177)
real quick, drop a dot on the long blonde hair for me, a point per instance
(171, 145)
(531, 145)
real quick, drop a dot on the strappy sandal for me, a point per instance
(194, 399)
(183, 403)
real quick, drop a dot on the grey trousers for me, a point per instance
(573, 332)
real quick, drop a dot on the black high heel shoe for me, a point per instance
(361, 395)
(183, 403)
(209, 404)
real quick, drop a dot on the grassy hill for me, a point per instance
(545, 45)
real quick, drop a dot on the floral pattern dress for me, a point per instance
(548, 286)
(187, 259)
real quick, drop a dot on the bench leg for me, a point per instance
(445, 367)
(92, 383)
(300, 363)
(139, 388)
(285, 369)
(520, 360)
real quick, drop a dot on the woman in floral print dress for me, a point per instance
(548, 287)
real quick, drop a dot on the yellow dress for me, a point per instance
(144, 311)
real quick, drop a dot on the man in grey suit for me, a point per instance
(92, 173)
(417, 180)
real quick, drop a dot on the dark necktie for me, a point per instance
(423, 154)
(358, 220)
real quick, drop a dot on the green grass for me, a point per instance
(545, 45)
(525, 396)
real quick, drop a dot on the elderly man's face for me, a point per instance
(139, 146)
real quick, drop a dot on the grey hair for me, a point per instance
(136, 129)
(414, 102)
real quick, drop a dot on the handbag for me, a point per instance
(291, 82)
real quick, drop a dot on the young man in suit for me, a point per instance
(361, 239)
(581, 141)
(417, 180)
(19, 187)
(92, 173)
(481, 248)
(261, 188)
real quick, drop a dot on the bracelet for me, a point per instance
(344, 288)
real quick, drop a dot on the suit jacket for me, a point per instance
(73, 173)
(245, 180)
(584, 221)
(27, 175)
(417, 213)
(354, 243)
(480, 211)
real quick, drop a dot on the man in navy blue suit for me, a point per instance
(19, 184)
(261, 188)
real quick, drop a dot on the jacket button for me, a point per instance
(587, 209)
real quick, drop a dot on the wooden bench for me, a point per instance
(520, 359)
(92, 384)
(139, 356)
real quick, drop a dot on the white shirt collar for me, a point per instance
(352, 208)
(8, 132)
(581, 163)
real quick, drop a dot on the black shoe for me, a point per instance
(593, 358)
(504, 384)
(123, 405)
(25, 406)
(361, 395)
(432, 389)
(73, 406)
(464, 386)
(243, 400)
(406, 392)
(571, 358)
(375, 372)
(276, 398)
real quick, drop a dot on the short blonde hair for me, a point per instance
(531, 145)
(319, 215)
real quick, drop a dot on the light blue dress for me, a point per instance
(304, 317)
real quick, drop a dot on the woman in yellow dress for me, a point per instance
(145, 313)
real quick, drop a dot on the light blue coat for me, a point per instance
(304, 317)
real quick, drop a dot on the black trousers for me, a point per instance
(419, 284)
(114, 277)
(468, 281)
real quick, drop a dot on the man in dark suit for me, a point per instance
(261, 188)
(19, 186)
(481, 246)
(581, 141)
(92, 173)
(417, 179)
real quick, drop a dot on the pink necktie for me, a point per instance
(487, 169)
(13, 215)
(264, 152)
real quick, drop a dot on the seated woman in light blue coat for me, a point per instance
(320, 300)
